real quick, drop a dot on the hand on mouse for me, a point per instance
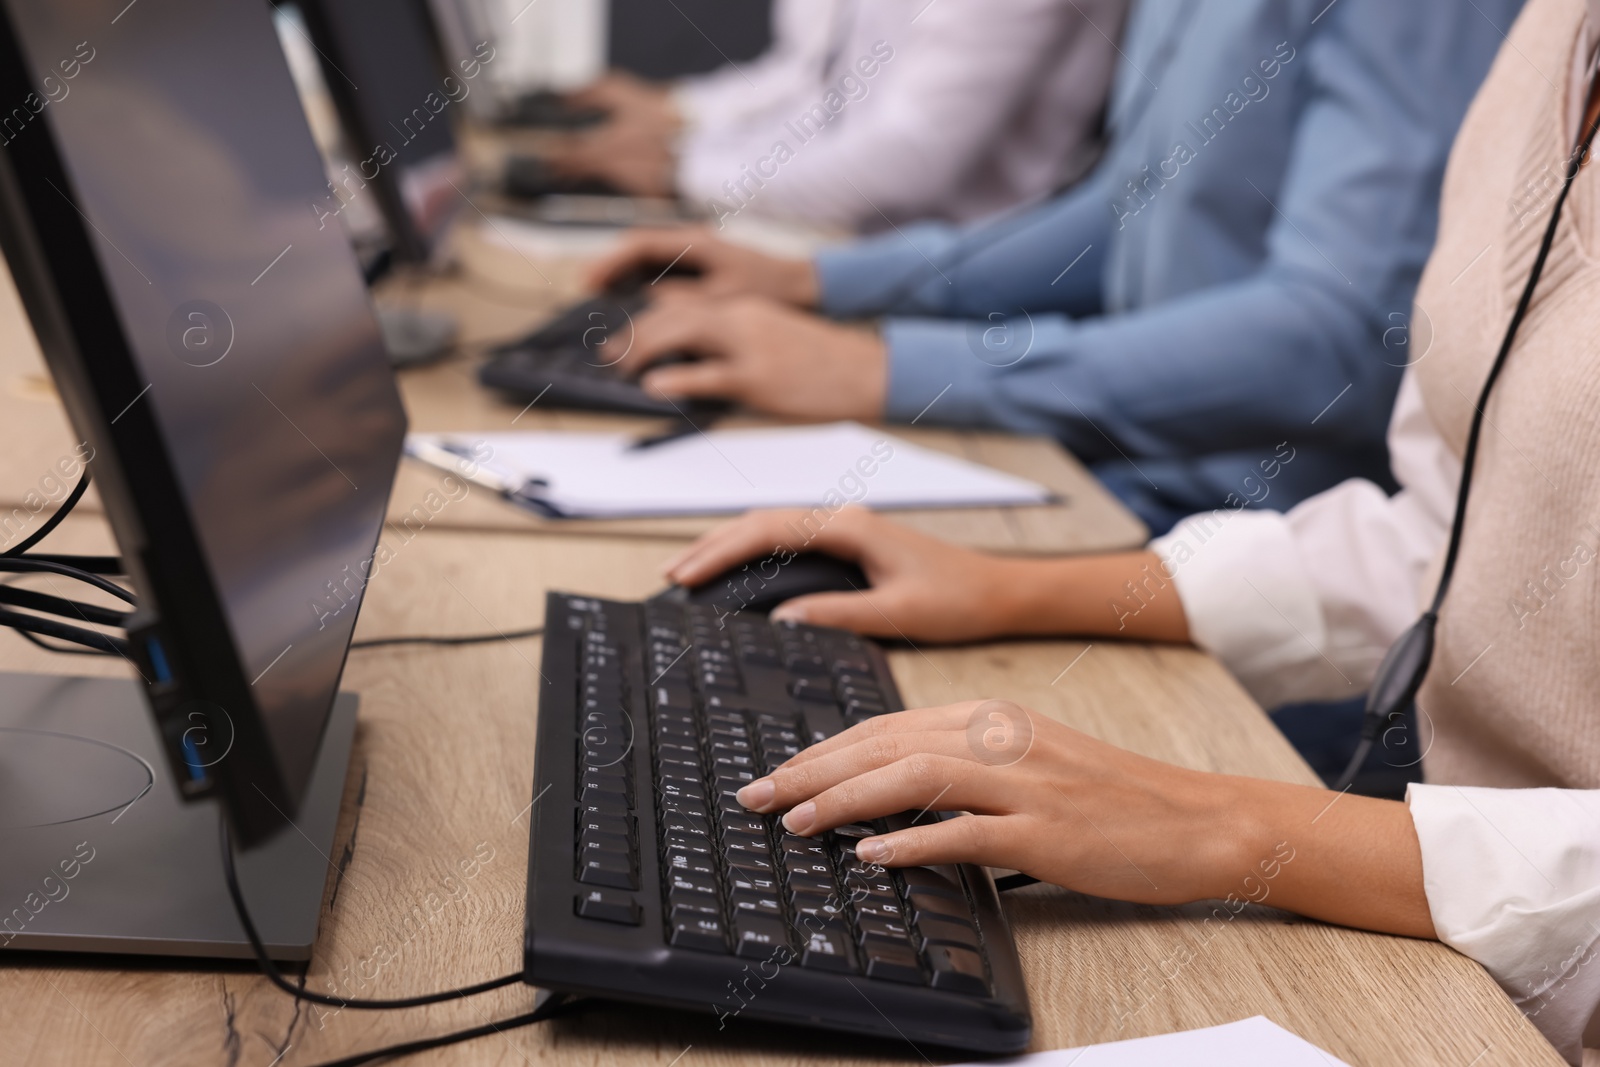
(768, 357)
(922, 589)
(726, 269)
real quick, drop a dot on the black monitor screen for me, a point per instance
(383, 71)
(265, 388)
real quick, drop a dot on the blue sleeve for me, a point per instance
(1292, 351)
(937, 269)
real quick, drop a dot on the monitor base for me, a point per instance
(101, 855)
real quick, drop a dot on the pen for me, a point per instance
(692, 421)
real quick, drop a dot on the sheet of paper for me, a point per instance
(728, 471)
(1253, 1042)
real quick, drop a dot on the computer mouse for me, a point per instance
(761, 585)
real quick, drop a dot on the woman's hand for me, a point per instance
(922, 589)
(1047, 800)
(726, 269)
(630, 100)
(1065, 808)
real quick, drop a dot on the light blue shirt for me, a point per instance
(1231, 285)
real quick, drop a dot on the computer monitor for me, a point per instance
(396, 103)
(212, 340)
(461, 30)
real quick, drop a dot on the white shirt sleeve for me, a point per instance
(1513, 881)
(908, 134)
(1303, 605)
(733, 92)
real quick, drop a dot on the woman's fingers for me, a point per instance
(982, 839)
(921, 782)
(801, 780)
(642, 248)
(915, 721)
(756, 534)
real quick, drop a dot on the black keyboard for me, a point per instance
(571, 361)
(648, 881)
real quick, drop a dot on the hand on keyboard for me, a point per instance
(1047, 800)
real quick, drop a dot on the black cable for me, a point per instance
(35, 565)
(464, 639)
(553, 1003)
(30, 600)
(275, 976)
(88, 564)
(60, 650)
(55, 519)
(1406, 664)
(17, 620)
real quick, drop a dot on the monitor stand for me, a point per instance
(98, 854)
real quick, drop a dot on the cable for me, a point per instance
(275, 976)
(60, 650)
(70, 609)
(55, 519)
(553, 1003)
(1406, 664)
(62, 631)
(464, 639)
(88, 564)
(34, 565)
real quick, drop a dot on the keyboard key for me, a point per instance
(607, 869)
(948, 931)
(870, 928)
(826, 949)
(756, 937)
(703, 933)
(932, 881)
(608, 906)
(938, 905)
(894, 963)
(957, 969)
(683, 861)
(620, 825)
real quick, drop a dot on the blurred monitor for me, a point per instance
(396, 105)
(670, 40)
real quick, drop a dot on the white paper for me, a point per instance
(1253, 1042)
(596, 475)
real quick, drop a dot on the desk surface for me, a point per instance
(442, 769)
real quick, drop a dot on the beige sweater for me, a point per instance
(1521, 617)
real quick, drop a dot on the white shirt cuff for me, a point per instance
(1251, 603)
(1513, 881)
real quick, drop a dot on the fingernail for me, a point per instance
(800, 818)
(757, 796)
(872, 850)
(790, 612)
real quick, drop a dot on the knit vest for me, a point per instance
(1513, 697)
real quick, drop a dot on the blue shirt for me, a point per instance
(1231, 285)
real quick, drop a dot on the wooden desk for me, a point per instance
(442, 770)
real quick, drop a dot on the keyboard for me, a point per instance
(649, 882)
(571, 361)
